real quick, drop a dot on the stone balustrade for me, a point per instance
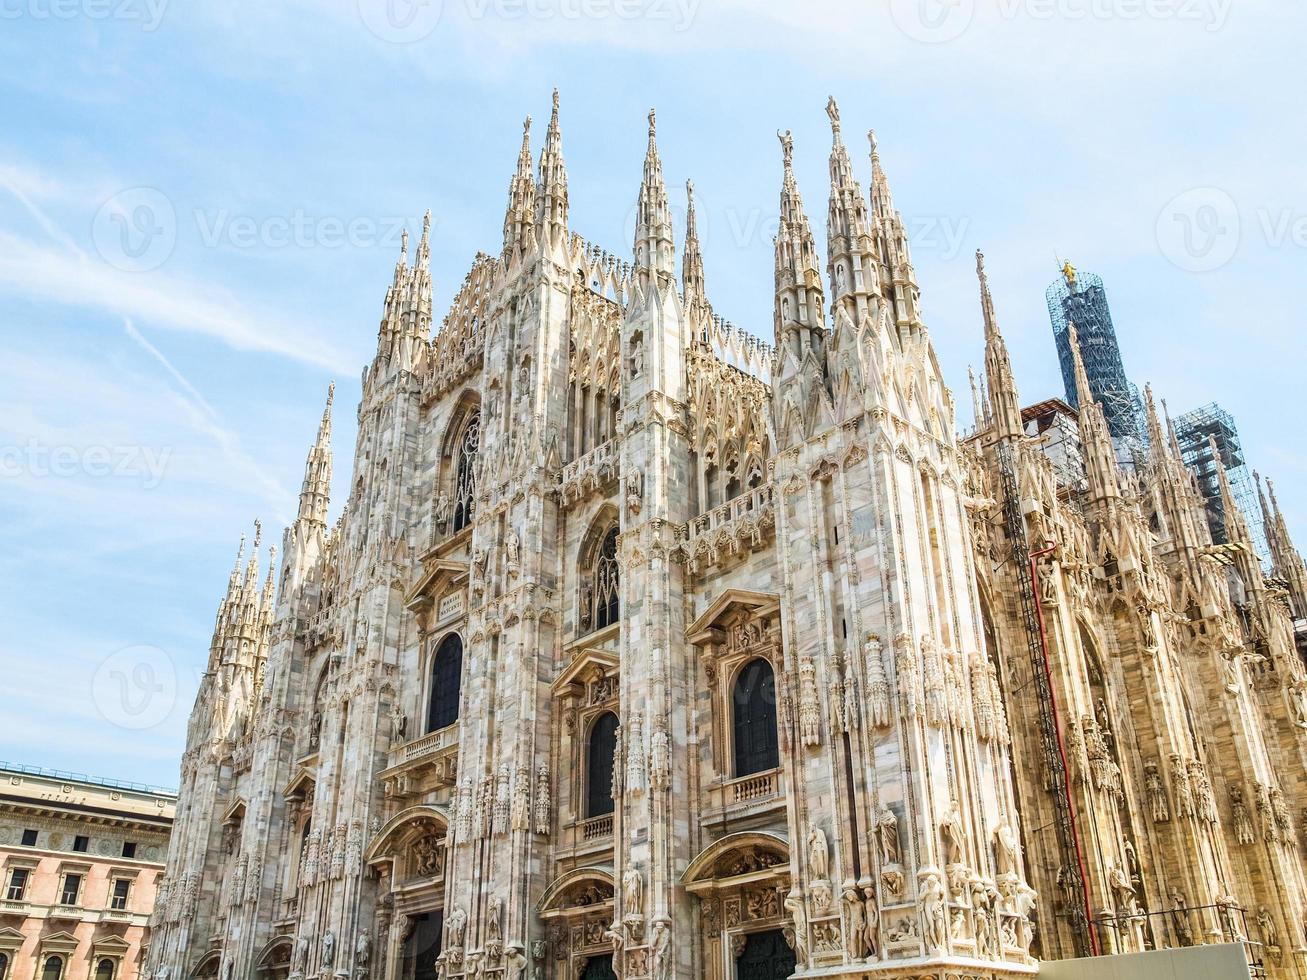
(737, 527)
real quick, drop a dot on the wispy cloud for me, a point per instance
(36, 272)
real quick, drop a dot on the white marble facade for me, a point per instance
(643, 648)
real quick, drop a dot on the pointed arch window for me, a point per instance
(753, 721)
(600, 752)
(465, 481)
(446, 682)
(607, 581)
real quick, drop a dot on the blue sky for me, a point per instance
(153, 404)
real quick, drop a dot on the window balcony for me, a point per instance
(590, 473)
(760, 794)
(737, 527)
(433, 754)
(597, 828)
(751, 789)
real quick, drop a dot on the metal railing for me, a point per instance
(1183, 928)
(19, 768)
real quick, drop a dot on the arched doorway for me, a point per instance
(766, 956)
(599, 968)
(422, 948)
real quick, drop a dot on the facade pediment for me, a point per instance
(58, 942)
(302, 785)
(728, 608)
(736, 856)
(589, 664)
(439, 577)
(588, 887)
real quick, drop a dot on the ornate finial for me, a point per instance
(652, 121)
(787, 145)
(331, 392)
(555, 101)
(833, 110)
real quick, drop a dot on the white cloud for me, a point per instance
(169, 302)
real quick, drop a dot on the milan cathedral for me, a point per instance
(642, 648)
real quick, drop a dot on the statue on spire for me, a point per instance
(833, 110)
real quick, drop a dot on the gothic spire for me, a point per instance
(1236, 528)
(423, 260)
(799, 321)
(978, 410)
(418, 313)
(392, 312)
(1100, 458)
(519, 218)
(692, 278)
(252, 569)
(1156, 438)
(551, 192)
(401, 264)
(654, 251)
(848, 239)
(1005, 405)
(1286, 560)
(315, 493)
(268, 582)
(882, 201)
(892, 251)
(233, 580)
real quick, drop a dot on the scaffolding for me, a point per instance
(1194, 431)
(1079, 298)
